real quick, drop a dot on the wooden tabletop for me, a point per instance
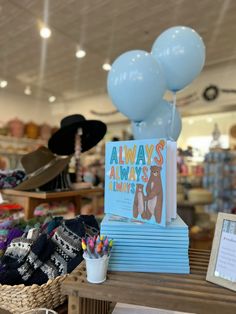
(48, 195)
(187, 293)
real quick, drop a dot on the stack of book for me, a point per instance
(141, 247)
(140, 207)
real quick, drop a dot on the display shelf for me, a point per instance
(185, 293)
(219, 178)
(21, 140)
(29, 200)
(13, 148)
(4, 153)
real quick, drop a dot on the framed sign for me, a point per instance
(222, 265)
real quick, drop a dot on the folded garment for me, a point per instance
(68, 252)
(6, 223)
(11, 235)
(10, 207)
(53, 208)
(57, 251)
(11, 178)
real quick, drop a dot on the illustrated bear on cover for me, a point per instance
(151, 204)
(139, 204)
(154, 196)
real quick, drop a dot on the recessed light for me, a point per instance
(106, 66)
(45, 32)
(190, 121)
(51, 98)
(27, 91)
(80, 53)
(3, 83)
(209, 119)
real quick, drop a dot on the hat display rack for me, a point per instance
(46, 168)
(78, 168)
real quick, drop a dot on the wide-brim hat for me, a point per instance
(41, 166)
(62, 142)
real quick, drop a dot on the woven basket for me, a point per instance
(20, 298)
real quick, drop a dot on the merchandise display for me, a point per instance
(219, 178)
(16, 128)
(200, 196)
(117, 157)
(41, 166)
(54, 208)
(97, 252)
(142, 247)
(9, 179)
(45, 251)
(62, 142)
(140, 189)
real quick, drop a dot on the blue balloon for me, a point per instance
(181, 53)
(136, 84)
(159, 124)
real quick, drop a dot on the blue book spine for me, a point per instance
(150, 269)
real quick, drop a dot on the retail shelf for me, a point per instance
(21, 140)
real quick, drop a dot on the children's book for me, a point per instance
(122, 248)
(154, 262)
(118, 224)
(150, 269)
(164, 238)
(139, 255)
(140, 180)
(150, 260)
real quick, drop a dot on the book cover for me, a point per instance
(136, 180)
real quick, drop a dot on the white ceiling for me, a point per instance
(105, 29)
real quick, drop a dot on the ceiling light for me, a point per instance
(51, 98)
(45, 32)
(80, 53)
(190, 121)
(27, 90)
(209, 120)
(106, 66)
(3, 83)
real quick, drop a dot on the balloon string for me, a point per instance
(173, 117)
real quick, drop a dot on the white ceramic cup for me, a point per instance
(96, 268)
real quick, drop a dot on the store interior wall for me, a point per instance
(25, 109)
(199, 115)
(95, 107)
(197, 130)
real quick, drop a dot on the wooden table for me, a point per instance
(29, 200)
(188, 293)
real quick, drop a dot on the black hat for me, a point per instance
(62, 142)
